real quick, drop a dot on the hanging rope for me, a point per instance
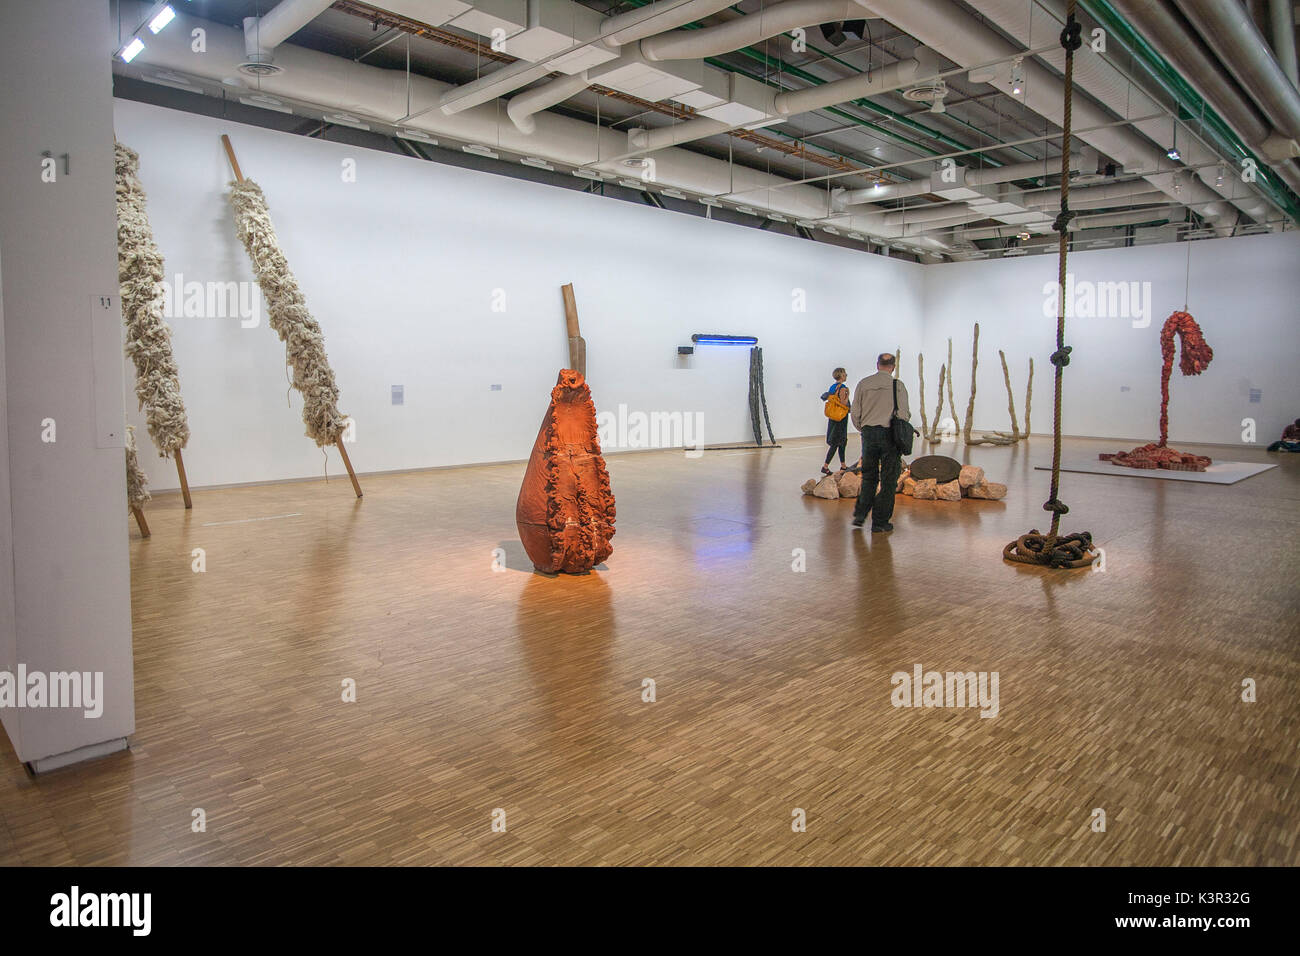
(1052, 549)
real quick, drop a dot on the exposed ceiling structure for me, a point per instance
(926, 128)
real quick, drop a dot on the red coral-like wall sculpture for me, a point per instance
(565, 512)
(1196, 355)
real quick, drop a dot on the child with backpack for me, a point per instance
(837, 413)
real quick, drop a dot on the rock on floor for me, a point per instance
(926, 489)
(827, 488)
(992, 490)
(849, 484)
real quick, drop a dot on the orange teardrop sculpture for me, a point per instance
(565, 511)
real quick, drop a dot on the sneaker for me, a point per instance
(858, 522)
(825, 470)
(877, 529)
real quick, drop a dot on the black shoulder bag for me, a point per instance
(900, 428)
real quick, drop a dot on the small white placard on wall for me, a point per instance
(399, 394)
(106, 365)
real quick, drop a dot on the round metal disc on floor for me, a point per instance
(939, 467)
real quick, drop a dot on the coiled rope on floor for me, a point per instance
(1053, 549)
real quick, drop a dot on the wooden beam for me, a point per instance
(230, 155)
(577, 344)
(185, 483)
(347, 462)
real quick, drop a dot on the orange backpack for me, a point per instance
(836, 410)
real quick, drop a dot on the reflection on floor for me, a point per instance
(482, 690)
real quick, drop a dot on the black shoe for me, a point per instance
(876, 529)
(858, 522)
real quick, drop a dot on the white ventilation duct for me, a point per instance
(524, 105)
(692, 45)
(332, 84)
(605, 45)
(263, 34)
(1105, 220)
(1137, 192)
(1229, 31)
(1166, 32)
(963, 176)
(747, 30)
(1033, 169)
(774, 105)
(962, 38)
(1039, 24)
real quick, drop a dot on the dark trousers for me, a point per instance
(880, 462)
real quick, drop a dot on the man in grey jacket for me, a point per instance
(873, 407)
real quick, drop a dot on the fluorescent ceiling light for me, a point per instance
(674, 193)
(588, 174)
(345, 119)
(416, 135)
(479, 151)
(132, 49)
(537, 163)
(265, 102)
(165, 16)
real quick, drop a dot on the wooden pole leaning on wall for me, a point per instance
(185, 482)
(338, 442)
(356, 486)
(577, 344)
(139, 520)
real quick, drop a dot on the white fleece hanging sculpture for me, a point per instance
(287, 314)
(148, 337)
(137, 485)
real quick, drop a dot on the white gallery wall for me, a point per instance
(403, 268)
(445, 281)
(1244, 293)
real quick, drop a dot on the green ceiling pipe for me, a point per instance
(1190, 105)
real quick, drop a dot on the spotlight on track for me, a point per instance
(1017, 76)
(131, 50)
(164, 16)
(837, 31)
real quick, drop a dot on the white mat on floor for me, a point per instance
(1219, 473)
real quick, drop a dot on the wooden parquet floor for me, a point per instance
(480, 690)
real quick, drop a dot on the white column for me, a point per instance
(64, 566)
